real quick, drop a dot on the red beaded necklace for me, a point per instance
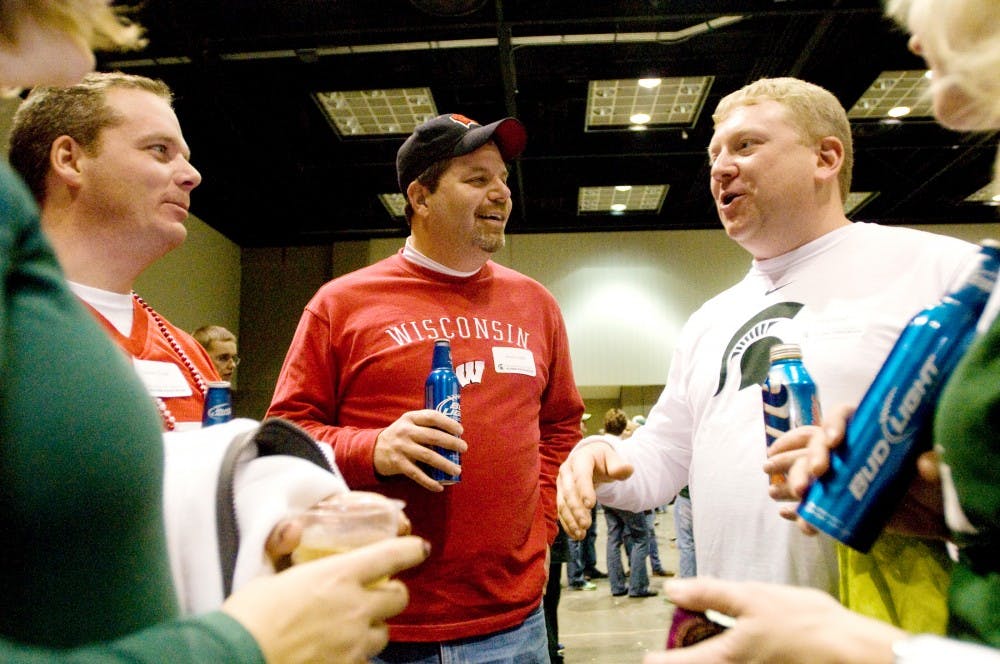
(169, 421)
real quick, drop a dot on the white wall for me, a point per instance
(198, 283)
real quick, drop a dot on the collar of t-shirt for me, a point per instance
(417, 258)
(115, 307)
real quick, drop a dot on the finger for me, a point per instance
(283, 538)
(929, 467)
(432, 419)
(798, 479)
(704, 592)
(788, 512)
(795, 439)
(405, 525)
(376, 639)
(373, 562)
(806, 527)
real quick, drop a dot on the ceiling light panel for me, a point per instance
(892, 90)
(674, 102)
(989, 195)
(637, 198)
(857, 200)
(395, 204)
(377, 112)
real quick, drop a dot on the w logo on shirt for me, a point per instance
(470, 372)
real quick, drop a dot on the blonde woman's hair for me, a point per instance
(814, 111)
(964, 37)
(94, 22)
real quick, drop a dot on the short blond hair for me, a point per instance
(814, 112)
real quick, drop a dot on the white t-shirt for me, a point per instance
(844, 298)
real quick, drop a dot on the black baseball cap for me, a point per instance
(453, 135)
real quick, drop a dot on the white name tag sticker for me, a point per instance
(513, 360)
(162, 379)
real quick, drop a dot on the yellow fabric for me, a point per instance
(902, 580)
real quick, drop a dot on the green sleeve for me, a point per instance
(208, 639)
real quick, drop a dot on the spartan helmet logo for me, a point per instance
(752, 345)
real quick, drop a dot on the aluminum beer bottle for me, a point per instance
(871, 469)
(218, 404)
(441, 393)
(789, 395)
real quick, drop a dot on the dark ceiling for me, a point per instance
(276, 174)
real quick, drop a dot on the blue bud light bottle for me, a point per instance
(871, 469)
(789, 395)
(441, 393)
(218, 404)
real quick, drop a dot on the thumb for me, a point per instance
(613, 467)
(705, 592)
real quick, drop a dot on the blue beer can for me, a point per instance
(441, 393)
(789, 396)
(873, 466)
(218, 404)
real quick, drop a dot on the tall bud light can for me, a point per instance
(871, 469)
(789, 394)
(218, 404)
(441, 393)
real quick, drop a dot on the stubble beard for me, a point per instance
(488, 240)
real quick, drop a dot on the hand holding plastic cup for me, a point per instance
(347, 521)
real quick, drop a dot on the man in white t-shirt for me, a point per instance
(781, 159)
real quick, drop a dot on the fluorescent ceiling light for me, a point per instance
(988, 195)
(893, 90)
(395, 204)
(621, 199)
(619, 104)
(358, 113)
(857, 200)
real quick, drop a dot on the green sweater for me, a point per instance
(84, 574)
(967, 432)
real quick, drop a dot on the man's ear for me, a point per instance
(830, 158)
(64, 160)
(417, 193)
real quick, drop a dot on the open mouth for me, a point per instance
(728, 198)
(492, 216)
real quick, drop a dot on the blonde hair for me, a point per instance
(812, 110)
(963, 36)
(207, 334)
(94, 22)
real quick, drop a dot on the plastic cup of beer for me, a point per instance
(347, 521)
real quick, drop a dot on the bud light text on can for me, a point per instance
(789, 395)
(441, 393)
(871, 469)
(218, 404)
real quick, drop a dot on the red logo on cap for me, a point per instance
(462, 120)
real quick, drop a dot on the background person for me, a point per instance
(354, 379)
(220, 344)
(628, 530)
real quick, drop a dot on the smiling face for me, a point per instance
(461, 223)
(763, 179)
(136, 182)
